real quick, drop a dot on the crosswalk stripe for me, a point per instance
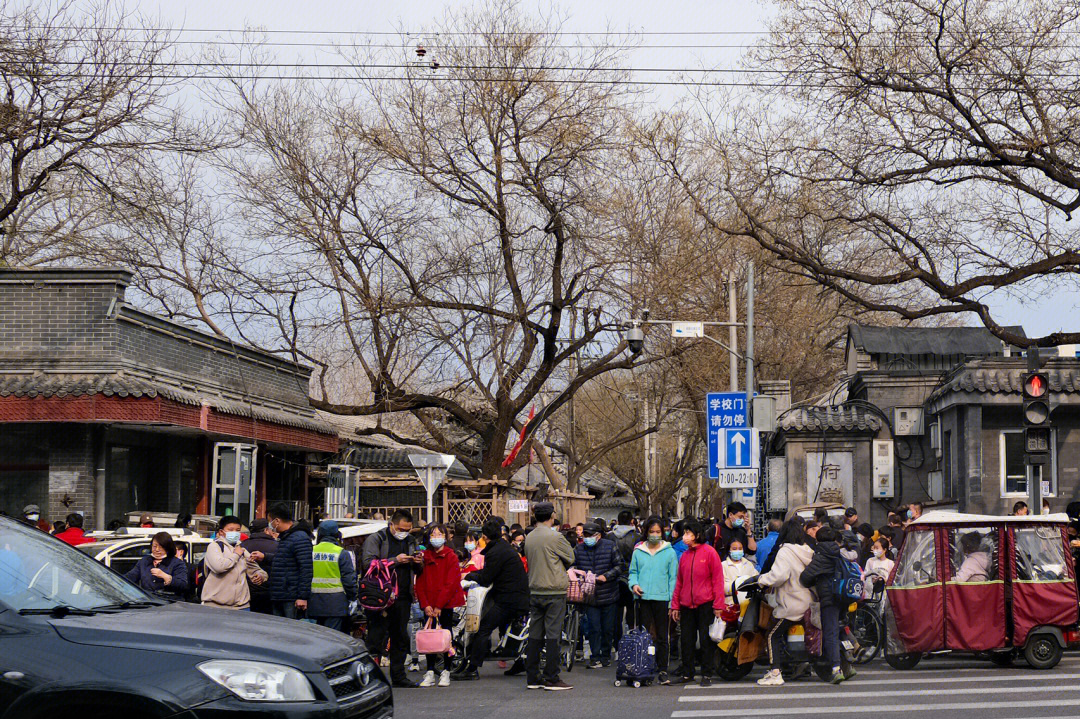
(786, 695)
(1011, 677)
(905, 708)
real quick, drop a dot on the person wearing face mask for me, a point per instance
(228, 568)
(517, 541)
(261, 540)
(333, 583)
(737, 569)
(397, 543)
(438, 590)
(653, 570)
(879, 565)
(733, 527)
(602, 558)
(161, 571)
(31, 515)
(697, 598)
(290, 572)
(864, 533)
(474, 553)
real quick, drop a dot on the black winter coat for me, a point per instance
(505, 573)
(821, 572)
(602, 559)
(290, 573)
(262, 542)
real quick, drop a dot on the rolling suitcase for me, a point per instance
(637, 657)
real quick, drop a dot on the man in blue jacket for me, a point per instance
(602, 558)
(765, 546)
(290, 573)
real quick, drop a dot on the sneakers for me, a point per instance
(605, 663)
(801, 670)
(556, 686)
(837, 676)
(516, 668)
(415, 667)
(682, 680)
(771, 679)
(663, 679)
(595, 664)
(404, 684)
(444, 678)
(849, 671)
(534, 684)
(429, 680)
(706, 681)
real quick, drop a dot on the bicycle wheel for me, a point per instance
(568, 644)
(869, 630)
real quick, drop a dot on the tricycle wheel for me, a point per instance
(1003, 659)
(730, 670)
(637, 685)
(903, 662)
(1042, 651)
(618, 683)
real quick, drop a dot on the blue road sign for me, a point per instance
(738, 448)
(725, 411)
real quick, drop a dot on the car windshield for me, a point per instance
(38, 572)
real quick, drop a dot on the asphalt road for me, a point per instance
(939, 686)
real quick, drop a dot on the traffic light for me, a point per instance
(1037, 417)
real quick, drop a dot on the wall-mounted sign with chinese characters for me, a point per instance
(733, 445)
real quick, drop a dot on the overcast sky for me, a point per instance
(675, 34)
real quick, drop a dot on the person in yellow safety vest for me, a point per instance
(333, 579)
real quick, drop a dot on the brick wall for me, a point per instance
(64, 452)
(56, 318)
(151, 348)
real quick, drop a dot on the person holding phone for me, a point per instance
(653, 569)
(396, 542)
(161, 571)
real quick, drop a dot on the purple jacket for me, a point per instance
(173, 566)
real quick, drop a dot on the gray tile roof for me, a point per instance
(844, 418)
(1005, 376)
(120, 384)
(397, 459)
(942, 341)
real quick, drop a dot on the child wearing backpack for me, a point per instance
(821, 575)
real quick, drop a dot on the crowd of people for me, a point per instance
(671, 579)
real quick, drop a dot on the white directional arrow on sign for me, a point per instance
(738, 440)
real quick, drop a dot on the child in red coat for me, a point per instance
(438, 590)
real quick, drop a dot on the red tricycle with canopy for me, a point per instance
(991, 586)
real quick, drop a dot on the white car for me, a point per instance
(121, 553)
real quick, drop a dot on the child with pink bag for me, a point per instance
(438, 591)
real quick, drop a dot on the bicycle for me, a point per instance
(866, 626)
(570, 633)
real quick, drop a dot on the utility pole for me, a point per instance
(647, 412)
(749, 341)
(733, 331)
(572, 366)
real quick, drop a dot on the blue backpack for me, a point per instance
(847, 582)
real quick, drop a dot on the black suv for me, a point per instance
(76, 636)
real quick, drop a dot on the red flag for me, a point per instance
(521, 439)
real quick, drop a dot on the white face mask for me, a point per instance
(33, 517)
(401, 536)
(879, 553)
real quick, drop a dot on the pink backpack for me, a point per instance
(378, 588)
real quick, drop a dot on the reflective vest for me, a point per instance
(325, 570)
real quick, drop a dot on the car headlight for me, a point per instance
(260, 681)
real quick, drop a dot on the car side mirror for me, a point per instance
(916, 566)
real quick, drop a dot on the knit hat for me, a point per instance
(328, 529)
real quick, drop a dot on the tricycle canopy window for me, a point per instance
(918, 563)
(1040, 556)
(974, 554)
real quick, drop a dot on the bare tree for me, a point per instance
(80, 91)
(920, 156)
(442, 230)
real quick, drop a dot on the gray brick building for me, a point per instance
(108, 410)
(930, 415)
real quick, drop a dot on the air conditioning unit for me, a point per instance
(907, 421)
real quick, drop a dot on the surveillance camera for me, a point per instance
(635, 337)
(644, 315)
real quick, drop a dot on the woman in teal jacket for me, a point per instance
(653, 568)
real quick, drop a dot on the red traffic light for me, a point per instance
(1035, 385)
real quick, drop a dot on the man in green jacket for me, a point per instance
(549, 556)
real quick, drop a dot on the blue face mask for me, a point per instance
(739, 522)
(590, 541)
(736, 554)
(469, 546)
(437, 542)
(232, 538)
